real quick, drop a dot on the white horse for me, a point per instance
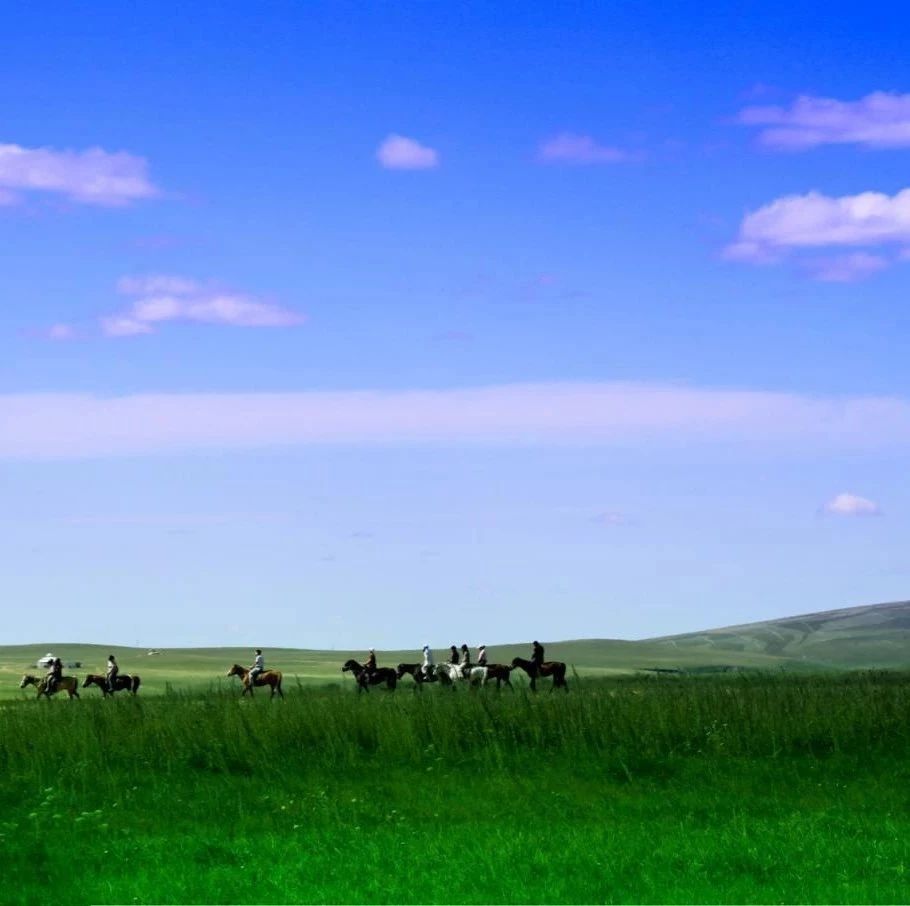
(451, 673)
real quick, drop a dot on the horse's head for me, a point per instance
(88, 681)
(351, 665)
(236, 670)
(27, 680)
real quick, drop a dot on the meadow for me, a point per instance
(752, 787)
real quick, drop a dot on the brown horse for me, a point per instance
(122, 682)
(489, 672)
(556, 669)
(271, 678)
(366, 678)
(69, 683)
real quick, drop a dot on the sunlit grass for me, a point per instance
(762, 788)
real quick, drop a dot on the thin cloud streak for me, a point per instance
(570, 148)
(162, 298)
(62, 426)
(879, 120)
(94, 176)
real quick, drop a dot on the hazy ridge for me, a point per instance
(875, 635)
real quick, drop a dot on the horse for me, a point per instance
(416, 670)
(70, 683)
(366, 678)
(122, 682)
(451, 673)
(498, 672)
(556, 669)
(270, 678)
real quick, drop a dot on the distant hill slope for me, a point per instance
(873, 636)
(877, 635)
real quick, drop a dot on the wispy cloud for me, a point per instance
(162, 298)
(851, 505)
(60, 332)
(78, 425)
(400, 153)
(879, 120)
(93, 176)
(845, 268)
(571, 148)
(795, 223)
(612, 518)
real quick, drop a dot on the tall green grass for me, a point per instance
(731, 788)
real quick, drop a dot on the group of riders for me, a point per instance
(55, 674)
(458, 658)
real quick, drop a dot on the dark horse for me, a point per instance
(416, 670)
(123, 682)
(270, 678)
(66, 683)
(556, 669)
(366, 678)
(498, 672)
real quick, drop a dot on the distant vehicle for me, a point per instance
(152, 651)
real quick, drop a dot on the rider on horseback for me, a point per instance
(537, 654)
(482, 656)
(453, 656)
(426, 668)
(110, 674)
(370, 665)
(54, 675)
(257, 668)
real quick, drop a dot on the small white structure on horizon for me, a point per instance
(45, 661)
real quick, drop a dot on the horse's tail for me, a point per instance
(135, 684)
(280, 677)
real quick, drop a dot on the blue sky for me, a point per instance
(345, 324)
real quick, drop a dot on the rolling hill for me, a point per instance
(857, 637)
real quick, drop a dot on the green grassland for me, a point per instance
(732, 788)
(709, 785)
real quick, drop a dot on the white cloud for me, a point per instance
(94, 176)
(162, 298)
(851, 505)
(795, 223)
(78, 425)
(612, 518)
(569, 148)
(879, 120)
(60, 332)
(846, 268)
(400, 153)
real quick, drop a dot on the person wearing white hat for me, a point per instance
(427, 666)
(482, 656)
